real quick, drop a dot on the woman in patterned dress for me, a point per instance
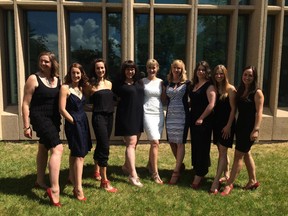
(177, 114)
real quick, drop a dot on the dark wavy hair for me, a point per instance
(54, 63)
(93, 76)
(253, 87)
(204, 64)
(129, 64)
(84, 77)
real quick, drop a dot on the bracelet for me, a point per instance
(25, 129)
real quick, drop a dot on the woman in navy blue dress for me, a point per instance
(223, 123)
(249, 100)
(71, 106)
(102, 98)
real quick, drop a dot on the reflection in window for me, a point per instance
(141, 40)
(283, 87)
(114, 44)
(286, 2)
(170, 41)
(244, 2)
(10, 76)
(214, 2)
(142, 1)
(241, 47)
(42, 36)
(85, 38)
(271, 2)
(114, 1)
(268, 57)
(212, 39)
(171, 1)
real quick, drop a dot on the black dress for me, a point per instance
(200, 134)
(129, 114)
(44, 114)
(222, 111)
(78, 134)
(245, 122)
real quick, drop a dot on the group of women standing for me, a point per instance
(206, 104)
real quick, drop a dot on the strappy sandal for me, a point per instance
(157, 178)
(175, 176)
(105, 184)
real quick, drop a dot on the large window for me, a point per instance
(9, 68)
(114, 44)
(170, 40)
(41, 36)
(241, 47)
(85, 38)
(212, 38)
(141, 40)
(283, 87)
(214, 2)
(268, 57)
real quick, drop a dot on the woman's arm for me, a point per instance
(211, 95)
(232, 101)
(64, 93)
(259, 102)
(29, 90)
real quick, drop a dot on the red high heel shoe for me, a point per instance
(97, 176)
(226, 192)
(252, 187)
(196, 186)
(76, 196)
(175, 176)
(49, 194)
(105, 184)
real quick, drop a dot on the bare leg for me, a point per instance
(130, 154)
(173, 147)
(153, 159)
(250, 165)
(179, 160)
(78, 171)
(71, 169)
(54, 171)
(222, 166)
(41, 161)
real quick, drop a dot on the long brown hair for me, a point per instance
(54, 63)
(84, 78)
(222, 88)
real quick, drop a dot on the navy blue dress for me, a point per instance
(78, 134)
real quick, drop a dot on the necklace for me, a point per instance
(77, 91)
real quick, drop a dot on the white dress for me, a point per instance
(153, 109)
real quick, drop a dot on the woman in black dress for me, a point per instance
(129, 115)
(71, 106)
(102, 98)
(40, 108)
(202, 98)
(223, 123)
(249, 100)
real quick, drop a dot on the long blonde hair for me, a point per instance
(222, 89)
(183, 76)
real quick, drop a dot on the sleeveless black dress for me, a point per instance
(129, 114)
(78, 134)
(44, 114)
(222, 111)
(200, 134)
(245, 122)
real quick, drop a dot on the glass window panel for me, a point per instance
(141, 40)
(10, 76)
(241, 47)
(283, 87)
(86, 0)
(171, 1)
(286, 2)
(244, 2)
(142, 1)
(114, 44)
(42, 36)
(85, 37)
(271, 2)
(114, 1)
(214, 2)
(268, 58)
(212, 38)
(170, 41)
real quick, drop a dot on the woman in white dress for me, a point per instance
(153, 114)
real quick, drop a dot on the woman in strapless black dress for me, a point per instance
(40, 108)
(250, 100)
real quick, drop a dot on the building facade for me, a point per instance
(236, 33)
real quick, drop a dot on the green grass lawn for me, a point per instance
(18, 174)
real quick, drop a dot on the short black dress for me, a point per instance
(129, 114)
(222, 111)
(78, 134)
(245, 122)
(200, 134)
(44, 114)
